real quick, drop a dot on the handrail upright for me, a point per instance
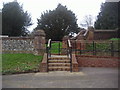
(48, 51)
(70, 53)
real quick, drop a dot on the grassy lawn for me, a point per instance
(15, 63)
(104, 46)
(55, 48)
(99, 46)
(115, 39)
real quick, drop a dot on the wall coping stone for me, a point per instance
(99, 30)
(16, 38)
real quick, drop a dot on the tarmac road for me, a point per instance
(86, 78)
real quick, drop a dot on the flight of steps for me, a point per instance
(58, 63)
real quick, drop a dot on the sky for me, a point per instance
(81, 8)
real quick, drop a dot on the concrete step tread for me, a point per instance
(58, 64)
(58, 67)
(59, 61)
(58, 58)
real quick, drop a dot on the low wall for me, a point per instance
(105, 34)
(93, 34)
(97, 61)
(17, 45)
(35, 44)
(74, 64)
(43, 64)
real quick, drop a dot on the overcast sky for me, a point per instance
(81, 8)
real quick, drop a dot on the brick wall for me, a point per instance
(74, 64)
(105, 34)
(78, 44)
(43, 64)
(97, 61)
(92, 34)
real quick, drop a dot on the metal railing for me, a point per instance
(48, 51)
(69, 52)
(48, 48)
(98, 48)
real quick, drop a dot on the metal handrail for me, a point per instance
(49, 41)
(70, 53)
(69, 44)
(49, 47)
(47, 51)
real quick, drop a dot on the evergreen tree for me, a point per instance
(58, 23)
(14, 20)
(108, 16)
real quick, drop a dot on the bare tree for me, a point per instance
(88, 21)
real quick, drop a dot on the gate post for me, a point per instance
(39, 42)
(91, 33)
(64, 44)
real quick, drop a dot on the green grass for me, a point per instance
(104, 49)
(55, 47)
(14, 63)
(99, 46)
(115, 39)
(104, 46)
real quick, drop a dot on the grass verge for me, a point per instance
(20, 63)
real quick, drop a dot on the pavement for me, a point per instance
(87, 77)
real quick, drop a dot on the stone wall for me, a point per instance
(17, 45)
(35, 44)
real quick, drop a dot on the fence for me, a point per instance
(98, 48)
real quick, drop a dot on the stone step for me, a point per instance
(58, 64)
(58, 61)
(59, 68)
(58, 58)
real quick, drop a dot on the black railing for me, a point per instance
(112, 49)
(98, 48)
(69, 53)
(48, 47)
